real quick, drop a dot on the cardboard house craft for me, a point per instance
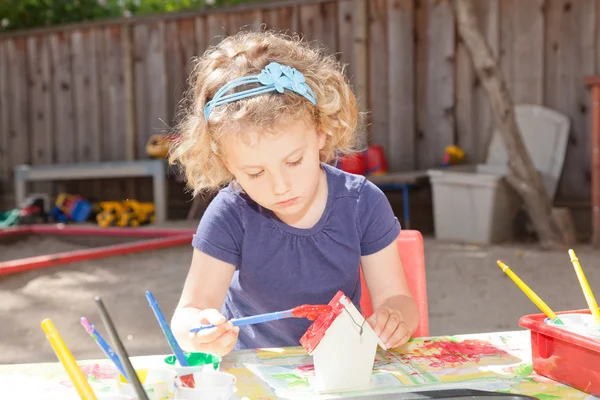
(343, 347)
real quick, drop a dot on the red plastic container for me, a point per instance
(564, 356)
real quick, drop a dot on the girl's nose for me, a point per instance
(280, 184)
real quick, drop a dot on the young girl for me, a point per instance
(267, 114)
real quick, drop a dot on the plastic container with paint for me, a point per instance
(209, 385)
(574, 322)
(159, 383)
(563, 355)
(197, 361)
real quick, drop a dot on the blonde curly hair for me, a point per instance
(197, 149)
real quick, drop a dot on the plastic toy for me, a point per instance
(136, 214)
(110, 213)
(376, 161)
(354, 164)
(453, 155)
(75, 208)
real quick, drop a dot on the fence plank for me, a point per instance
(474, 120)
(522, 48)
(245, 21)
(180, 44)
(18, 133)
(87, 104)
(378, 75)
(40, 104)
(439, 128)
(112, 112)
(201, 35)
(283, 19)
(64, 111)
(421, 59)
(569, 57)
(401, 153)
(5, 174)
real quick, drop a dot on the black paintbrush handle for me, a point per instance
(114, 336)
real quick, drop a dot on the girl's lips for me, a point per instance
(287, 203)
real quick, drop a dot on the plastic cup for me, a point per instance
(209, 385)
(159, 383)
(199, 362)
(574, 322)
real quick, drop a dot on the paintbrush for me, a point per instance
(308, 311)
(65, 356)
(186, 380)
(112, 331)
(104, 346)
(585, 286)
(530, 293)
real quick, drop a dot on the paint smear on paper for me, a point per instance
(447, 353)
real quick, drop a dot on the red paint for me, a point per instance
(100, 372)
(188, 381)
(306, 368)
(444, 353)
(316, 331)
(309, 311)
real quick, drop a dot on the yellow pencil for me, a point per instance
(530, 293)
(587, 292)
(66, 358)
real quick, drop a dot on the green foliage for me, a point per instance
(23, 14)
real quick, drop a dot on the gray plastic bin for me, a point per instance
(473, 203)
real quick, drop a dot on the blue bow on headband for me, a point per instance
(274, 77)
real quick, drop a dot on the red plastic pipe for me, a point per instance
(109, 231)
(49, 260)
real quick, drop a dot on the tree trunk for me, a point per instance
(522, 175)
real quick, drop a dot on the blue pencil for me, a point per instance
(103, 345)
(255, 319)
(167, 331)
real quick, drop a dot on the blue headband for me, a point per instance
(273, 77)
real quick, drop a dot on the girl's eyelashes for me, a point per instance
(291, 164)
(253, 176)
(298, 162)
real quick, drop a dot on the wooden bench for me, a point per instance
(96, 170)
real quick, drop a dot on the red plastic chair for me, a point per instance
(412, 254)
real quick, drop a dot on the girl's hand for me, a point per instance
(219, 340)
(390, 326)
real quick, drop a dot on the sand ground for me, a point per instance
(467, 292)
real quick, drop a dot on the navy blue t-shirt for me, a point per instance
(279, 267)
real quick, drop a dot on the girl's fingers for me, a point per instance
(391, 324)
(399, 337)
(380, 320)
(212, 316)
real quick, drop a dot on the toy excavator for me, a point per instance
(127, 213)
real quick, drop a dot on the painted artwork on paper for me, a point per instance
(441, 363)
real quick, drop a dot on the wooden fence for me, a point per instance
(97, 91)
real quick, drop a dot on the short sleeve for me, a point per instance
(378, 225)
(220, 230)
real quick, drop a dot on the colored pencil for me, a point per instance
(587, 291)
(66, 358)
(531, 294)
(114, 336)
(104, 346)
